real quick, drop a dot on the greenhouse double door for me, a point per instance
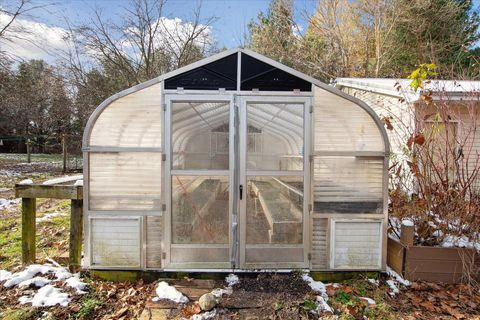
(236, 173)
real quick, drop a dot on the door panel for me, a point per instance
(199, 176)
(272, 173)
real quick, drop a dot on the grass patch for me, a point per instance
(18, 314)
(52, 235)
(35, 157)
(89, 304)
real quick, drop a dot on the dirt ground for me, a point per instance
(262, 296)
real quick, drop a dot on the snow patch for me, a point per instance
(26, 274)
(49, 296)
(26, 181)
(232, 280)
(75, 283)
(393, 287)
(165, 291)
(7, 203)
(78, 183)
(48, 216)
(5, 275)
(460, 242)
(407, 223)
(205, 316)
(369, 300)
(374, 281)
(318, 286)
(63, 179)
(37, 282)
(397, 277)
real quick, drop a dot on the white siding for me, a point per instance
(356, 245)
(115, 242)
(134, 120)
(319, 244)
(398, 111)
(125, 181)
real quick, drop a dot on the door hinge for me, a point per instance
(310, 158)
(311, 108)
(164, 157)
(164, 105)
(310, 207)
(164, 207)
(309, 256)
(164, 255)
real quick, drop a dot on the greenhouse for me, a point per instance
(235, 162)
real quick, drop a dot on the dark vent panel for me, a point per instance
(213, 76)
(259, 75)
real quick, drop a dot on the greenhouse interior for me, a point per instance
(235, 162)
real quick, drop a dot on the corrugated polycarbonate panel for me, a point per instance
(134, 120)
(125, 181)
(154, 241)
(319, 244)
(357, 245)
(348, 184)
(341, 125)
(115, 242)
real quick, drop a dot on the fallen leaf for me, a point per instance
(120, 312)
(191, 310)
(428, 305)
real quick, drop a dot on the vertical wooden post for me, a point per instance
(407, 234)
(29, 157)
(76, 235)
(64, 151)
(28, 230)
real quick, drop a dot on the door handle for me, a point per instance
(241, 192)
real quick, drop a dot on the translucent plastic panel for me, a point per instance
(319, 243)
(275, 210)
(131, 121)
(125, 181)
(275, 136)
(348, 185)
(357, 245)
(154, 237)
(200, 209)
(115, 242)
(341, 125)
(200, 135)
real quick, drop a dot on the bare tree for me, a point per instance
(144, 44)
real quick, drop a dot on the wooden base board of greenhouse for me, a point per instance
(447, 265)
(148, 276)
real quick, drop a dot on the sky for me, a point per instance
(228, 30)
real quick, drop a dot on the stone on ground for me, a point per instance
(207, 302)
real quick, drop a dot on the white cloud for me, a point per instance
(27, 39)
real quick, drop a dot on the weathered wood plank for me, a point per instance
(48, 191)
(28, 230)
(434, 277)
(76, 235)
(437, 253)
(446, 266)
(395, 255)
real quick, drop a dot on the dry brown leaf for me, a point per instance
(120, 312)
(191, 310)
(453, 312)
(428, 306)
